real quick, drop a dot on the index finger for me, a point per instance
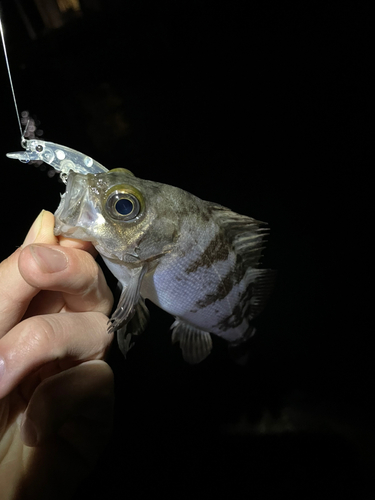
(79, 244)
(78, 277)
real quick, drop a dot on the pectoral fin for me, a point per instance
(196, 344)
(135, 327)
(129, 298)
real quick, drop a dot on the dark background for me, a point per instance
(264, 108)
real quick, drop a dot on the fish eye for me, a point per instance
(39, 148)
(123, 206)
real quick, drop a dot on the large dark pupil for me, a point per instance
(124, 206)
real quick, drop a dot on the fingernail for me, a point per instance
(34, 230)
(29, 434)
(49, 260)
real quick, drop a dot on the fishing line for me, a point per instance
(10, 76)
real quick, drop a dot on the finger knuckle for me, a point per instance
(37, 332)
(106, 304)
(87, 281)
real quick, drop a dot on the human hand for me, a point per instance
(56, 392)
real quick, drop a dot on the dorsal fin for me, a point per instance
(246, 234)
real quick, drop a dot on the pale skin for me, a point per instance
(56, 390)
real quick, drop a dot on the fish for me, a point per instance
(197, 260)
(194, 259)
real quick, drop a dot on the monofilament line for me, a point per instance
(10, 76)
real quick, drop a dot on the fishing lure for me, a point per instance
(195, 259)
(61, 158)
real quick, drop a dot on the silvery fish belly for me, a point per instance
(195, 259)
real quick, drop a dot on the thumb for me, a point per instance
(42, 230)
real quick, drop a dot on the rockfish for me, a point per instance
(195, 259)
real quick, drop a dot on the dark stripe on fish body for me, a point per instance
(223, 289)
(240, 311)
(260, 289)
(232, 278)
(218, 249)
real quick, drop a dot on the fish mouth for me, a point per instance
(63, 208)
(75, 214)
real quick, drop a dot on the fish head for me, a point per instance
(122, 215)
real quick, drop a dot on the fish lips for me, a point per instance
(76, 213)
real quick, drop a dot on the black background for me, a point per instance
(265, 108)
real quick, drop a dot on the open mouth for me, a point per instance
(69, 209)
(77, 214)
